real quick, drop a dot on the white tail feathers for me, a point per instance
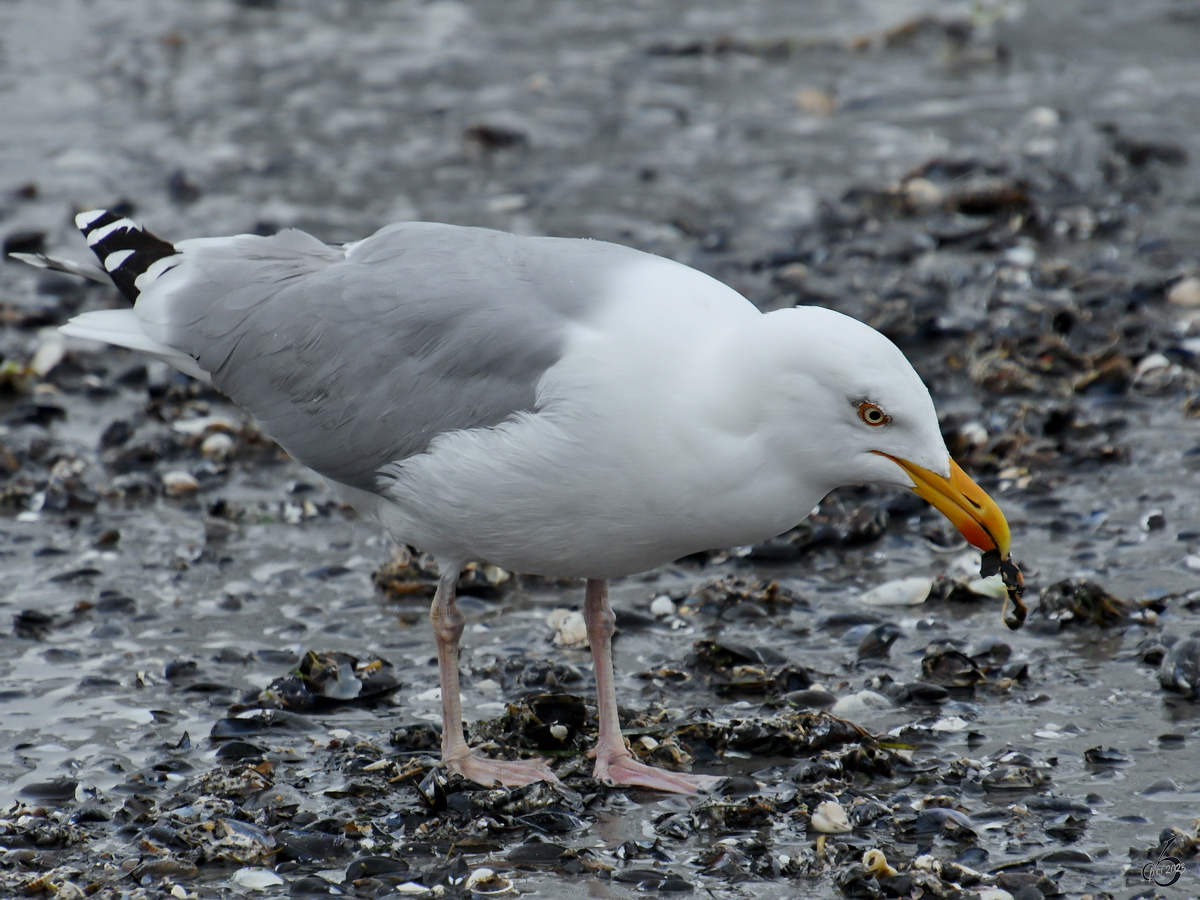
(122, 328)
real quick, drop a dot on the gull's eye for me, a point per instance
(872, 414)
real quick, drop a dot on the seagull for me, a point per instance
(552, 406)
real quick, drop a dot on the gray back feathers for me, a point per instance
(352, 361)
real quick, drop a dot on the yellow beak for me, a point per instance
(963, 502)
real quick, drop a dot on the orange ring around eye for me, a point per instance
(873, 415)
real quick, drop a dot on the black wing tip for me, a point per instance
(124, 248)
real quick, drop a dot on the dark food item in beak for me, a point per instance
(1013, 580)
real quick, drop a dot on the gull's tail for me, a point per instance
(125, 249)
(127, 252)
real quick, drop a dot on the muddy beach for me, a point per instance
(217, 681)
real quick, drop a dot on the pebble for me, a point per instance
(662, 606)
(1043, 117)
(205, 424)
(179, 484)
(974, 434)
(1154, 520)
(922, 194)
(217, 447)
(1021, 256)
(1185, 292)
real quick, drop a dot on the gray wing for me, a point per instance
(354, 360)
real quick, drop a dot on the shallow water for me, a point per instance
(568, 119)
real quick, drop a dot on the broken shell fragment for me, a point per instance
(830, 818)
(570, 630)
(876, 863)
(217, 446)
(487, 883)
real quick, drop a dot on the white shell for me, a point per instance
(995, 894)
(860, 704)
(901, 592)
(256, 879)
(992, 586)
(345, 686)
(205, 424)
(487, 883)
(662, 606)
(951, 724)
(830, 818)
(570, 630)
(217, 446)
(49, 353)
(179, 484)
(964, 566)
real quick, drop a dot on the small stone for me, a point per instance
(921, 194)
(662, 606)
(179, 484)
(205, 425)
(217, 447)
(815, 100)
(1154, 520)
(1043, 117)
(1185, 292)
(974, 434)
(1020, 256)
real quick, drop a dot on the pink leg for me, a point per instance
(457, 757)
(614, 761)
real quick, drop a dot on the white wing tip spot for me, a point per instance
(95, 237)
(113, 261)
(84, 219)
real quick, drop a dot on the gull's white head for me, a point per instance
(855, 411)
